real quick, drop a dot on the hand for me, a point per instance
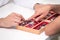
(53, 28)
(41, 11)
(11, 20)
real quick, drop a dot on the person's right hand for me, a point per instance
(53, 28)
(41, 11)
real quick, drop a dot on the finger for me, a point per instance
(12, 14)
(20, 16)
(47, 21)
(37, 5)
(42, 16)
(17, 20)
(35, 16)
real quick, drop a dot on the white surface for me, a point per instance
(6, 10)
(13, 34)
(3, 2)
(30, 3)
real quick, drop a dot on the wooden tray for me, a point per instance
(38, 27)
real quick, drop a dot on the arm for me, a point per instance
(53, 28)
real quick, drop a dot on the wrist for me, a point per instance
(1, 22)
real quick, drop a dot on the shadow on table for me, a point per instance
(55, 37)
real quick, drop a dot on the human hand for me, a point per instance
(11, 20)
(41, 11)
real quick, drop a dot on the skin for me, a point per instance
(11, 20)
(53, 28)
(42, 10)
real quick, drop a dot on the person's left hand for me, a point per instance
(11, 20)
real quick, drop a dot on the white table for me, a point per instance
(13, 34)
